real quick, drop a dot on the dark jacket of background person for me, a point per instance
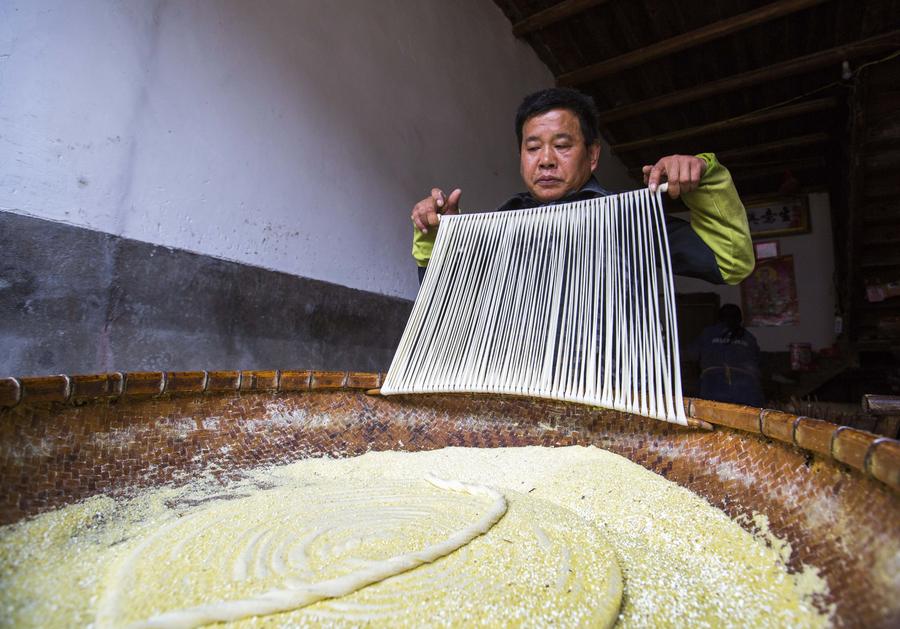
(729, 361)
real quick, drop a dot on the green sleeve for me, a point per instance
(719, 218)
(422, 245)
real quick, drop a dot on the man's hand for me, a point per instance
(425, 213)
(683, 172)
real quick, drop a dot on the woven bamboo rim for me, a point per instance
(875, 456)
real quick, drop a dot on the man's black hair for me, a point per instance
(733, 318)
(561, 98)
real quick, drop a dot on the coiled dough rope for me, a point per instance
(301, 595)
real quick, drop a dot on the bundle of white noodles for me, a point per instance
(571, 302)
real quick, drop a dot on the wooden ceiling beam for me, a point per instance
(763, 192)
(791, 67)
(760, 197)
(774, 147)
(751, 172)
(886, 161)
(754, 171)
(716, 30)
(752, 118)
(552, 15)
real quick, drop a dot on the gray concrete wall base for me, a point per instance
(73, 300)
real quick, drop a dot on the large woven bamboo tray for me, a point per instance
(833, 492)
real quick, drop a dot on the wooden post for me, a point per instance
(855, 199)
(887, 409)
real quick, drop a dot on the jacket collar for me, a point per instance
(522, 201)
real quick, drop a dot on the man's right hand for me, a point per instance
(425, 213)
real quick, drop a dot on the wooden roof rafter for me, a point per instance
(556, 13)
(810, 139)
(710, 32)
(755, 117)
(791, 67)
(750, 171)
(742, 172)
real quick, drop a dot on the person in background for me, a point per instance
(729, 361)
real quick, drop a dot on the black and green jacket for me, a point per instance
(714, 246)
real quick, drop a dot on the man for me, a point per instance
(729, 360)
(559, 147)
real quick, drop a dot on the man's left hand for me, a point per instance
(683, 172)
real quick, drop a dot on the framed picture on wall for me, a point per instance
(769, 295)
(765, 249)
(782, 216)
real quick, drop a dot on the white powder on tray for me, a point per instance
(581, 524)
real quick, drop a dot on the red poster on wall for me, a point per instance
(769, 295)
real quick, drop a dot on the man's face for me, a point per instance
(553, 158)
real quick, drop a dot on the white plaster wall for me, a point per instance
(814, 273)
(289, 134)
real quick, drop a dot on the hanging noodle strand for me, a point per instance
(570, 302)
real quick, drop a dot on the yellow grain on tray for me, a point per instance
(586, 537)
